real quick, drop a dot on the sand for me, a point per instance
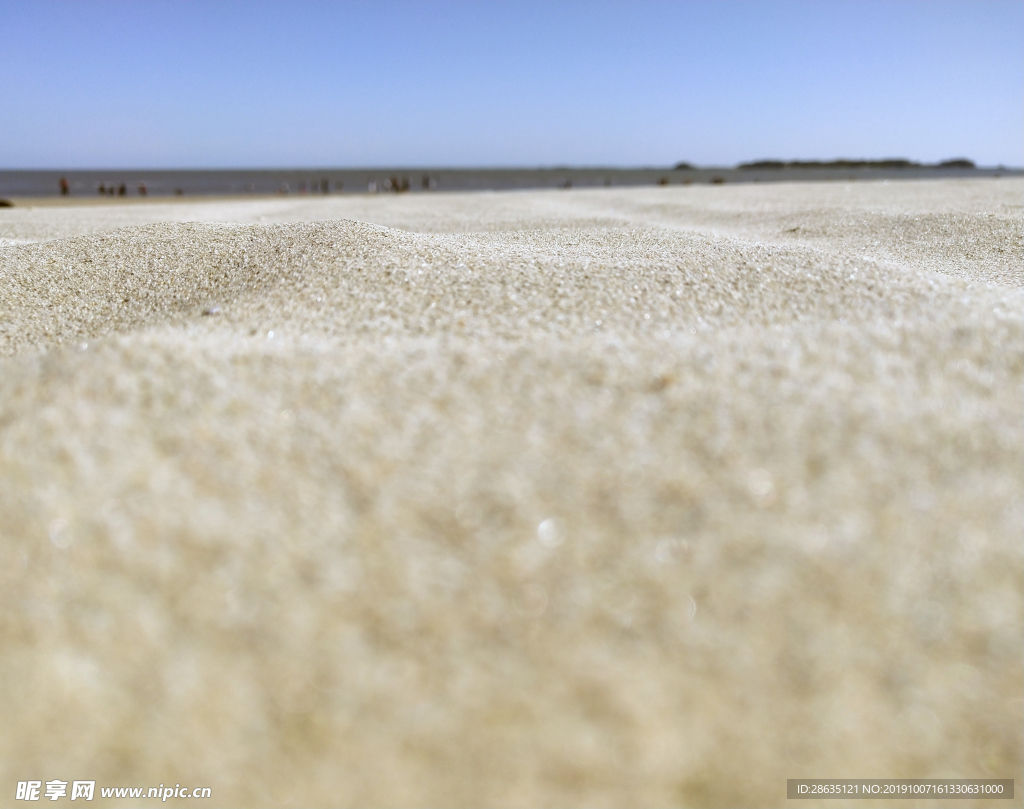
(626, 497)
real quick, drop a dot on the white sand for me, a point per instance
(614, 497)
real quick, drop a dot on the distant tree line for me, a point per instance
(888, 163)
(891, 163)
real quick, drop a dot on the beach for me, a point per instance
(591, 497)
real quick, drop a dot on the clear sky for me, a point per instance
(119, 84)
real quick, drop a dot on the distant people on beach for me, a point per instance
(65, 189)
(122, 190)
(143, 190)
(101, 189)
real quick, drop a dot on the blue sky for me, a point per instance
(490, 83)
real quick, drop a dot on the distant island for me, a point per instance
(842, 163)
(888, 163)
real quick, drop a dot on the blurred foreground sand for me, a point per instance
(637, 497)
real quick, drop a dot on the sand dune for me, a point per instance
(613, 497)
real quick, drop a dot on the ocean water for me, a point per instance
(149, 182)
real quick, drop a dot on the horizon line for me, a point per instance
(786, 164)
